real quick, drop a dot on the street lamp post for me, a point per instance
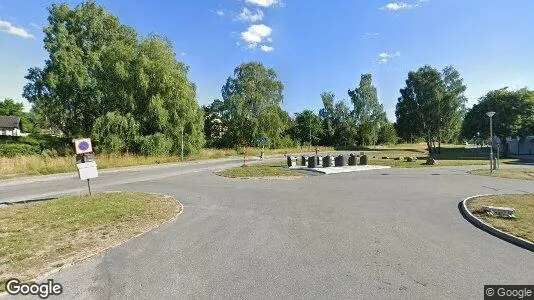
(490, 114)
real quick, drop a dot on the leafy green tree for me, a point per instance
(308, 128)
(213, 123)
(387, 134)
(368, 113)
(514, 115)
(97, 65)
(431, 106)
(345, 131)
(252, 99)
(326, 115)
(116, 133)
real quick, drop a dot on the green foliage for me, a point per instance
(514, 114)
(368, 113)
(115, 133)
(308, 128)
(431, 106)
(98, 66)
(157, 144)
(252, 99)
(18, 149)
(387, 134)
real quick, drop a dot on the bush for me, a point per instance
(157, 144)
(49, 153)
(16, 149)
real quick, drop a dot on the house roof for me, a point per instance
(9, 122)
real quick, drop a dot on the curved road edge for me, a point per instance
(103, 251)
(462, 206)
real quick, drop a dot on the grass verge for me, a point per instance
(519, 173)
(267, 170)
(36, 238)
(522, 226)
(12, 167)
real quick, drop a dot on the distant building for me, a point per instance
(519, 146)
(10, 126)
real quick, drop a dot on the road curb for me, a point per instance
(101, 251)
(462, 206)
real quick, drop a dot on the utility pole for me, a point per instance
(309, 125)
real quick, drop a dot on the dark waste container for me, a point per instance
(340, 161)
(304, 160)
(363, 160)
(312, 162)
(291, 161)
(352, 159)
(328, 161)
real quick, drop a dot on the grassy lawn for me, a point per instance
(11, 167)
(522, 226)
(272, 170)
(38, 237)
(526, 174)
(451, 155)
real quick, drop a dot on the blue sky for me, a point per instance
(314, 45)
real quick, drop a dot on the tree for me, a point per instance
(97, 65)
(308, 128)
(368, 113)
(431, 106)
(514, 114)
(387, 134)
(213, 123)
(345, 133)
(116, 133)
(252, 99)
(326, 115)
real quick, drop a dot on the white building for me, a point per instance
(10, 126)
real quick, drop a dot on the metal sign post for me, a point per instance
(85, 161)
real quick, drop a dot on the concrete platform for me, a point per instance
(345, 169)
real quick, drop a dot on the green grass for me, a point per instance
(38, 237)
(522, 226)
(451, 155)
(12, 167)
(260, 171)
(519, 173)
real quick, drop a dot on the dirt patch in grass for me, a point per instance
(518, 173)
(261, 171)
(36, 238)
(522, 226)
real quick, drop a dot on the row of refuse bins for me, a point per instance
(326, 161)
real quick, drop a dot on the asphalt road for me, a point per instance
(382, 234)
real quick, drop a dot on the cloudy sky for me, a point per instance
(314, 46)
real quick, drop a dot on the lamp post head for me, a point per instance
(490, 113)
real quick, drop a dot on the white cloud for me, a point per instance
(183, 53)
(8, 28)
(266, 48)
(250, 16)
(397, 6)
(263, 3)
(255, 34)
(384, 57)
(35, 26)
(402, 5)
(371, 34)
(219, 12)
